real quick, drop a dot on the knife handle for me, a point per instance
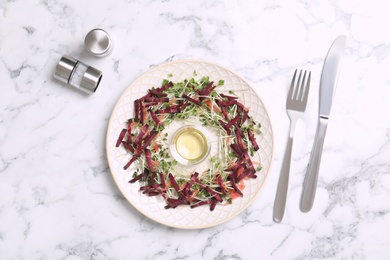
(311, 178)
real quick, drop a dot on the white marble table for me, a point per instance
(57, 196)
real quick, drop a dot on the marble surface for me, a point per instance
(57, 197)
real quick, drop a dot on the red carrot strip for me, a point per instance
(183, 105)
(234, 185)
(136, 178)
(155, 118)
(157, 99)
(157, 93)
(150, 104)
(235, 165)
(145, 174)
(252, 176)
(152, 177)
(224, 113)
(237, 172)
(136, 110)
(221, 184)
(169, 110)
(239, 140)
(173, 182)
(120, 138)
(129, 129)
(208, 89)
(196, 102)
(160, 190)
(190, 183)
(244, 174)
(201, 203)
(138, 151)
(244, 117)
(239, 104)
(249, 162)
(128, 146)
(148, 157)
(253, 140)
(147, 95)
(226, 103)
(162, 180)
(135, 157)
(208, 189)
(173, 203)
(228, 97)
(213, 204)
(233, 121)
(149, 138)
(151, 193)
(165, 87)
(225, 127)
(141, 134)
(130, 162)
(237, 150)
(143, 113)
(144, 188)
(239, 131)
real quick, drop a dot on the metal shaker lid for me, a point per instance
(91, 79)
(77, 74)
(64, 69)
(98, 42)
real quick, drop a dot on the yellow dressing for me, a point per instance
(191, 144)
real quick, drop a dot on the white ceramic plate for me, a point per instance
(153, 207)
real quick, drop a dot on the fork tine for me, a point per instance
(297, 88)
(306, 91)
(292, 87)
(302, 88)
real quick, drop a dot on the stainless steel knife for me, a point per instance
(329, 77)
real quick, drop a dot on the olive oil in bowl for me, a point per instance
(189, 145)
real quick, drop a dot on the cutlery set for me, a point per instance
(295, 107)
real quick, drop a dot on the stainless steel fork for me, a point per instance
(296, 105)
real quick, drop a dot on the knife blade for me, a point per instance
(328, 82)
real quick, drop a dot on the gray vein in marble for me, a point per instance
(84, 250)
(161, 253)
(26, 232)
(381, 52)
(222, 256)
(341, 235)
(10, 161)
(219, 232)
(4, 165)
(198, 40)
(29, 29)
(209, 242)
(277, 248)
(39, 194)
(16, 73)
(169, 59)
(58, 8)
(343, 192)
(180, 257)
(116, 66)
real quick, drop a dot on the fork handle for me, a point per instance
(281, 192)
(311, 178)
